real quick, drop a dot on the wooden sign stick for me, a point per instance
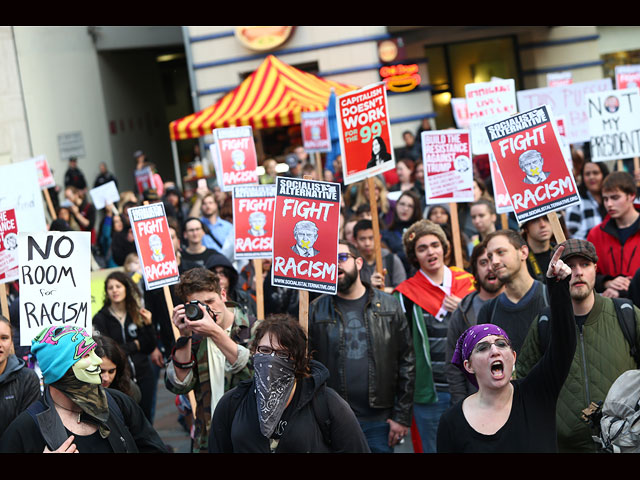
(257, 275)
(4, 304)
(455, 234)
(318, 162)
(556, 227)
(376, 224)
(505, 221)
(303, 298)
(176, 335)
(636, 167)
(47, 198)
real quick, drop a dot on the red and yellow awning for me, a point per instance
(272, 96)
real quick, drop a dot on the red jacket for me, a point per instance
(615, 259)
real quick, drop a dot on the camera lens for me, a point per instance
(192, 311)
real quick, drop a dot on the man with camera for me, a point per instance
(211, 356)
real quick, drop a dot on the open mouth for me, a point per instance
(497, 369)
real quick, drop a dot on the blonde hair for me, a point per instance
(362, 198)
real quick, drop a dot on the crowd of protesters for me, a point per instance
(402, 353)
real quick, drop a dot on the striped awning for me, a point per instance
(272, 96)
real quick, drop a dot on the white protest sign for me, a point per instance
(488, 102)
(568, 101)
(55, 281)
(20, 189)
(104, 195)
(614, 124)
(557, 79)
(460, 112)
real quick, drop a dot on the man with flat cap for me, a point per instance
(603, 352)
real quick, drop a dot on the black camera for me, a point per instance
(193, 311)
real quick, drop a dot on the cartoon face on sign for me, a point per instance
(237, 157)
(10, 241)
(155, 243)
(257, 221)
(461, 163)
(315, 133)
(531, 163)
(306, 233)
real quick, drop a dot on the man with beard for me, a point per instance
(207, 209)
(487, 286)
(603, 354)
(523, 296)
(362, 337)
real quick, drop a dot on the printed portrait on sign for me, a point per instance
(461, 163)
(379, 152)
(257, 222)
(531, 163)
(237, 157)
(11, 241)
(306, 233)
(155, 244)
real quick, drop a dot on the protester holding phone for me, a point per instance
(211, 356)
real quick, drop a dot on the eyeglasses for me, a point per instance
(343, 257)
(501, 344)
(270, 351)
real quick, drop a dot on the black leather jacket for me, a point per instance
(391, 354)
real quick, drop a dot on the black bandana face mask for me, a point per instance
(274, 379)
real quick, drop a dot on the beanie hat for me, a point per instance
(58, 348)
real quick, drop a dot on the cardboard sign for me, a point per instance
(500, 193)
(55, 281)
(486, 103)
(448, 169)
(144, 179)
(614, 124)
(104, 195)
(153, 243)
(529, 153)
(20, 189)
(45, 177)
(305, 235)
(253, 207)
(236, 154)
(627, 76)
(568, 101)
(365, 136)
(315, 131)
(460, 112)
(8, 246)
(558, 79)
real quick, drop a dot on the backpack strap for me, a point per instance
(627, 318)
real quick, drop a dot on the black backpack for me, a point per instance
(626, 318)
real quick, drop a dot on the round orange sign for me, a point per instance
(263, 38)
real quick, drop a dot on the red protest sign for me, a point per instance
(236, 153)
(315, 131)
(8, 246)
(153, 243)
(448, 170)
(365, 136)
(305, 235)
(500, 194)
(45, 176)
(144, 179)
(253, 207)
(528, 150)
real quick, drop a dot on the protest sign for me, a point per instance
(488, 102)
(236, 157)
(253, 207)
(500, 193)
(8, 246)
(315, 131)
(144, 179)
(365, 136)
(20, 189)
(614, 124)
(460, 112)
(104, 195)
(557, 79)
(627, 76)
(565, 100)
(153, 243)
(55, 281)
(529, 153)
(305, 235)
(448, 170)
(45, 177)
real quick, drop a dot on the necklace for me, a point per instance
(69, 410)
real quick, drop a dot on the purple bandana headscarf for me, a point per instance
(468, 340)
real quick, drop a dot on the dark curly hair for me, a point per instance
(418, 230)
(291, 337)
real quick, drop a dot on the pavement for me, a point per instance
(174, 435)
